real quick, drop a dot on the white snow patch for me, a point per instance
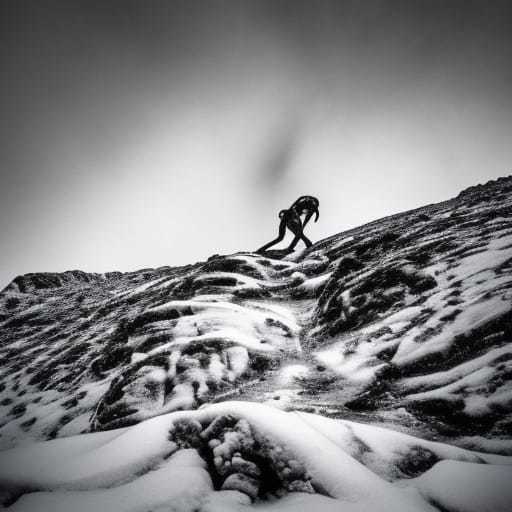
(129, 470)
(467, 487)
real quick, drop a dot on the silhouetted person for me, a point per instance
(305, 205)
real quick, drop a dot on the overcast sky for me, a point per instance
(141, 134)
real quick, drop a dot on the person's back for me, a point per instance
(307, 204)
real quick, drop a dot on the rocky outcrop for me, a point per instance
(404, 321)
(30, 283)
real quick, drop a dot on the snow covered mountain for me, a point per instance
(372, 371)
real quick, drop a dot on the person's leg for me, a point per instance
(306, 240)
(294, 224)
(295, 241)
(282, 231)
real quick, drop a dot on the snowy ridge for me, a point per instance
(404, 323)
(225, 456)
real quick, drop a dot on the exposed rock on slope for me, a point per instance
(411, 311)
(403, 322)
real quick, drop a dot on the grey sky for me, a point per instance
(138, 134)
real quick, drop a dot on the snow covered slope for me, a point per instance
(404, 323)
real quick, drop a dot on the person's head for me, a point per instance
(308, 204)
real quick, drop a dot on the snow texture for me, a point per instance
(377, 362)
(259, 455)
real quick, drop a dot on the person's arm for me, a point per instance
(309, 215)
(307, 218)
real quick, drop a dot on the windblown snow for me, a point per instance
(369, 372)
